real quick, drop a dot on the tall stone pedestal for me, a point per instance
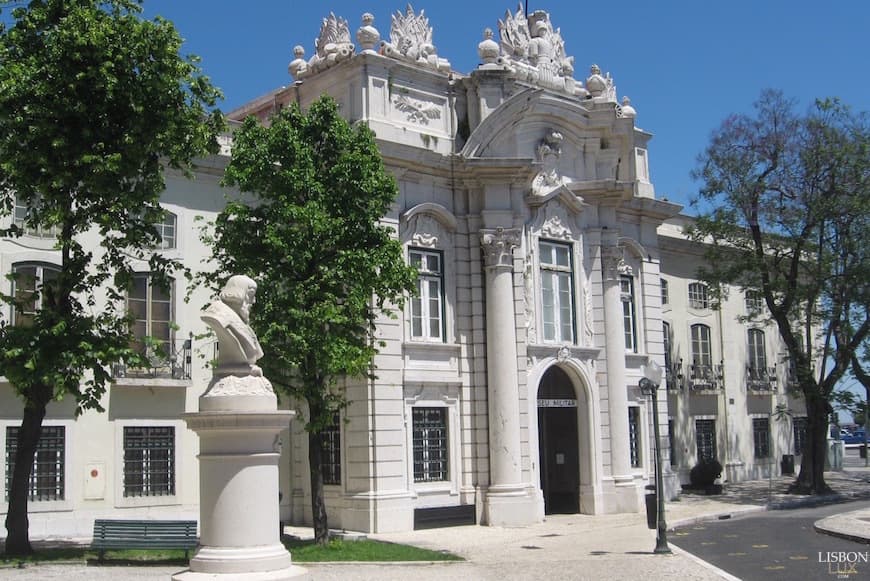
(239, 513)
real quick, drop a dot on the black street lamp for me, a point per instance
(649, 384)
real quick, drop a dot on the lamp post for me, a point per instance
(649, 384)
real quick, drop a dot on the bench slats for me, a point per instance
(143, 534)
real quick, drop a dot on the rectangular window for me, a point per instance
(430, 444)
(427, 307)
(800, 434)
(149, 461)
(331, 451)
(705, 439)
(761, 437)
(698, 296)
(754, 302)
(629, 316)
(166, 230)
(29, 285)
(634, 435)
(557, 292)
(47, 472)
(666, 299)
(20, 215)
(152, 309)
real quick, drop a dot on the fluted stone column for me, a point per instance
(626, 495)
(509, 500)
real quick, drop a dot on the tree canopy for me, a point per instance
(786, 213)
(326, 264)
(94, 102)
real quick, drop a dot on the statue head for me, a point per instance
(240, 293)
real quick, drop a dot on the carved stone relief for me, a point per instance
(416, 110)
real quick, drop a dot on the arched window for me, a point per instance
(30, 281)
(756, 358)
(702, 354)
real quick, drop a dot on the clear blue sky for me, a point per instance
(685, 64)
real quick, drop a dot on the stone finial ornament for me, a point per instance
(298, 65)
(411, 41)
(627, 110)
(488, 50)
(331, 46)
(535, 52)
(367, 35)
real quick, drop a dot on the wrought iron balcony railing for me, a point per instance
(170, 360)
(704, 377)
(761, 378)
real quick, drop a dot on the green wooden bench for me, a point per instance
(144, 534)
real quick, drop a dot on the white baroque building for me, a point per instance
(549, 274)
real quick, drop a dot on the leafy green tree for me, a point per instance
(94, 101)
(327, 266)
(786, 211)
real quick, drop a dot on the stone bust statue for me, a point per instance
(236, 374)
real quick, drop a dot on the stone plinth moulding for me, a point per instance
(238, 427)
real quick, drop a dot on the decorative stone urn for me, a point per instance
(238, 426)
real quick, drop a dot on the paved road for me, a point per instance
(776, 545)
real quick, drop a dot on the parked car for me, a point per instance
(856, 437)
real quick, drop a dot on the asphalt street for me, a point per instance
(778, 545)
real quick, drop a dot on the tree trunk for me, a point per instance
(17, 523)
(811, 479)
(318, 506)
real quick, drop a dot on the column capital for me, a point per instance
(613, 261)
(498, 245)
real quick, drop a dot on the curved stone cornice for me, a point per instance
(442, 214)
(500, 122)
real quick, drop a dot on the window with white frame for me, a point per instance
(167, 231)
(666, 299)
(47, 475)
(557, 292)
(629, 314)
(756, 358)
(634, 435)
(761, 437)
(430, 445)
(152, 309)
(330, 465)
(20, 215)
(754, 302)
(30, 281)
(701, 345)
(149, 461)
(427, 307)
(698, 298)
(705, 439)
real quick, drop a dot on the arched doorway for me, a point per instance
(558, 443)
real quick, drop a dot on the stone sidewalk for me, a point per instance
(594, 547)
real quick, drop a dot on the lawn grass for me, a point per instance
(302, 551)
(363, 550)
